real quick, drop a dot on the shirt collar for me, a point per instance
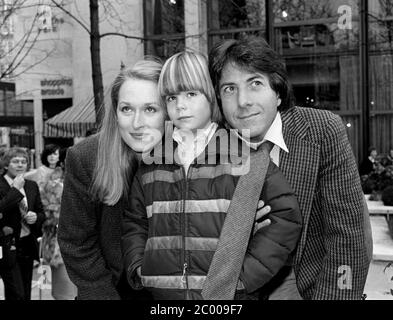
(273, 134)
(202, 134)
(8, 179)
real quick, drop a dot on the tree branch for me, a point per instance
(123, 35)
(71, 15)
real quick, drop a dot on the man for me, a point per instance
(312, 150)
(369, 164)
(23, 216)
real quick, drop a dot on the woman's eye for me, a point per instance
(125, 109)
(151, 109)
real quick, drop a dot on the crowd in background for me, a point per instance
(375, 162)
(25, 243)
(376, 172)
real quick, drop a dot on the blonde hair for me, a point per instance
(116, 161)
(188, 71)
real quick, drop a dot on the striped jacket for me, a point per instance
(174, 223)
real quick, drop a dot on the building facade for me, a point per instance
(338, 53)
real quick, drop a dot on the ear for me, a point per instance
(278, 100)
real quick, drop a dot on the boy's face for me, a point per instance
(189, 110)
(18, 165)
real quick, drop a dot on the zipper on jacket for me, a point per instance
(184, 275)
(186, 176)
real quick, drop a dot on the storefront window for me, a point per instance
(164, 27)
(14, 107)
(381, 74)
(27, 108)
(235, 19)
(320, 43)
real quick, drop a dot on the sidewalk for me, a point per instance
(377, 284)
(36, 294)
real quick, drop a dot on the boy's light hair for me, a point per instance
(188, 71)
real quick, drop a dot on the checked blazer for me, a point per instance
(331, 261)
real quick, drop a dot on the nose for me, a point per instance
(180, 103)
(243, 98)
(138, 121)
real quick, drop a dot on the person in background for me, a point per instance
(49, 177)
(49, 159)
(370, 163)
(22, 220)
(2, 151)
(9, 272)
(388, 160)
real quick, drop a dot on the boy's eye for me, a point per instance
(170, 98)
(192, 94)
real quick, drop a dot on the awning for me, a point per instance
(72, 122)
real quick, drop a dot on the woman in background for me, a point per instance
(49, 159)
(49, 178)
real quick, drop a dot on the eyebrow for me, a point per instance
(256, 76)
(251, 78)
(145, 104)
(226, 84)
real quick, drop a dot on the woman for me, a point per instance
(49, 159)
(49, 177)
(99, 172)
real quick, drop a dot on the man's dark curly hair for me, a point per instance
(253, 55)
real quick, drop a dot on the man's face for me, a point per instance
(248, 101)
(18, 165)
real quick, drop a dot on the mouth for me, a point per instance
(247, 116)
(138, 135)
(184, 118)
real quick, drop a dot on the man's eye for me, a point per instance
(229, 90)
(256, 83)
